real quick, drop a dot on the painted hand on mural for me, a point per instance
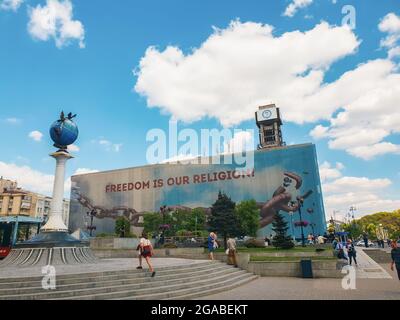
(282, 200)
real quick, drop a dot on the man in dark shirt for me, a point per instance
(395, 258)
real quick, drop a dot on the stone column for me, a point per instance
(55, 221)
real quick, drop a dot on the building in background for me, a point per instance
(281, 179)
(280, 176)
(15, 201)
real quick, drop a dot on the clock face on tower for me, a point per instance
(267, 114)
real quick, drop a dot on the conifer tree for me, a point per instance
(223, 219)
(281, 239)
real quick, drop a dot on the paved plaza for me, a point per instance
(374, 281)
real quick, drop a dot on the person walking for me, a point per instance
(351, 252)
(365, 238)
(231, 243)
(146, 251)
(395, 254)
(334, 243)
(211, 245)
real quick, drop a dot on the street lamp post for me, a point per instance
(300, 201)
(312, 225)
(91, 227)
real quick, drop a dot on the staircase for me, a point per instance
(174, 282)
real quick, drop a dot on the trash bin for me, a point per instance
(306, 269)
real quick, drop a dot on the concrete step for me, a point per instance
(222, 288)
(217, 284)
(154, 285)
(173, 282)
(141, 275)
(198, 291)
(192, 266)
(133, 281)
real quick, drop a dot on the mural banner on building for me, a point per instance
(278, 178)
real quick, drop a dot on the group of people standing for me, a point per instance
(317, 239)
(231, 251)
(345, 251)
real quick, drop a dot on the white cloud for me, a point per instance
(241, 141)
(367, 195)
(27, 177)
(108, 145)
(369, 95)
(319, 132)
(13, 120)
(328, 172)
(296, 5)
(352, 184)
(243, 66)
(34, 180)
(73, 148)
(365, 202)
(181, 158)
(390, 24)
(341, 192)
(84, 171)
(55, 20)
(370, 112)
(394, 52)
(12, 5)
(36, 135)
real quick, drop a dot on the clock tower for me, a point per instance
(269, 122)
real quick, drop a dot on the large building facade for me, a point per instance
(280, 177)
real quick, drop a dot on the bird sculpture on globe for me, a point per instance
(64, 131)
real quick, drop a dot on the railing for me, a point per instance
(182, 241)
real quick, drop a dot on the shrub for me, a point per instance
(254, 243)
(122, 227)
(170, 246)
(131, 235)
(106, 235)
(184, 233)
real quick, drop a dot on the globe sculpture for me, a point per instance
(54, 245)
(64, 131)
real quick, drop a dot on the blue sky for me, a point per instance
(88, 69)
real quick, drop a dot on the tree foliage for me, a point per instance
(179, 220)
(122, 227)
(389, 220)
(281, 239)
(223, 219)
(248, 216)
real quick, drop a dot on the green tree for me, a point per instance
(197, 220)
(281, 239)
(122, 227)
(152, 222)
(354, 228)
(248, 216)
(223, 219)
(331, 228)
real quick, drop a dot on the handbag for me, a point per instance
(227, 252)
